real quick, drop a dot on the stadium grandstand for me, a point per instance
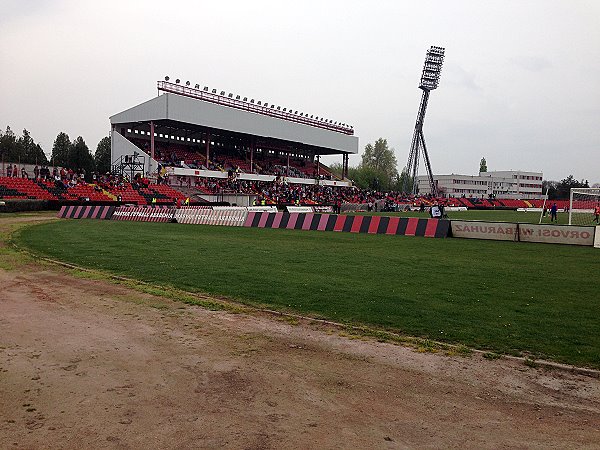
(200, 137)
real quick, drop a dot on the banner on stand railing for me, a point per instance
(143, 214)
(233, 217)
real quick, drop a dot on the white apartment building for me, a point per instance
(515, 184)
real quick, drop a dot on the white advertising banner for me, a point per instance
(299, 209)
(323, 209)
(556, 234)
(335, 183)
(498, 231)
(266, 208)
(597, 238)
(187, 172)
(230, 217)
(230, 208)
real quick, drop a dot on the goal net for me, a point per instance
(584, 206)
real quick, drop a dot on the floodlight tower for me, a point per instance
(429, 81)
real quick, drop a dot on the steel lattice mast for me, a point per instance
(429, 81)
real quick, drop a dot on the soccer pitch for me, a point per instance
(507, 297)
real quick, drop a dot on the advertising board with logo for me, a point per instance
(524, 232)
(498, 231)
(556, 234)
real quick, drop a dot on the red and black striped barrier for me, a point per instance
(86, 212)
(403, 226)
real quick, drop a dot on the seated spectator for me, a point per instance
(58, 182)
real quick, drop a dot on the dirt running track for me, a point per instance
(91, 364)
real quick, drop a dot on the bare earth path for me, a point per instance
(91, 364)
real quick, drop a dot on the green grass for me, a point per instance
(485, 215)
(504, 297)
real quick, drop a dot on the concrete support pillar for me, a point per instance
(152, 140)
(318, 166)
(345, 166)
(207, 148)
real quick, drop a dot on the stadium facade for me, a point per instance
(184, 124)
(508, 184)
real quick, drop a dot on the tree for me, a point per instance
(102, 155)
(563, 189)
(26, 146)
(79, 157)
(550, 187)
(369, 178)
(482, 165)
(39, 156)
(20, 150)
(363, 177)
(379, 163)
(61, 149)
(336, 168)
(30, 152)
(401, 179)
(8, 146)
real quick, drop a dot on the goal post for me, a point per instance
(543, 207)
(584, 204)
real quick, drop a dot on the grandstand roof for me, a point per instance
(187, 111)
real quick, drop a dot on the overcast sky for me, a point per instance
(520, 83)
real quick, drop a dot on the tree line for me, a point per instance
(73, 154)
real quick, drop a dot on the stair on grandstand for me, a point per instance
(50, 187)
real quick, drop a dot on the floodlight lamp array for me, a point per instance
(265, 108)
(432, 68)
